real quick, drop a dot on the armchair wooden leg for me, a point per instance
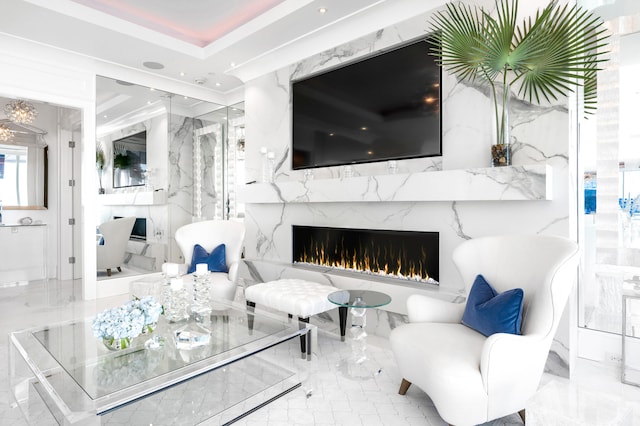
(404, 387)
(108, 272)
(521, 413)
(119, 269)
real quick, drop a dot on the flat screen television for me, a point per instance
(130, 160)
(386, 107)
(139, 231)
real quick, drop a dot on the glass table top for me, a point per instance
(80, 375)
(100, 371)
(359, 298)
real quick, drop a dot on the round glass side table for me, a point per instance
(358, 301)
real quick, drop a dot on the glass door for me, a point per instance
(609, 152)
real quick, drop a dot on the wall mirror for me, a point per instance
(23, 176)
(155, 142)
(23, 162)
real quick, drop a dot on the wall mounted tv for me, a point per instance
(386, 107)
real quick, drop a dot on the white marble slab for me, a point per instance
(138, 198)
(481, 184)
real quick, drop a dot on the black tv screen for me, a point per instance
(382, 108)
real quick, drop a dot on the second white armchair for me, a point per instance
(471, 378)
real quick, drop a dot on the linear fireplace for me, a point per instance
(406, 255)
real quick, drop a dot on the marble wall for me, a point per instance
(540, 136)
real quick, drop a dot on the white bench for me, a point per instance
(295, 297)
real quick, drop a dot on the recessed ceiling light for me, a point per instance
(330, 134)
(233, 64)
(148, 102)
(105, 116)
(186, 97)
(152, 89)
(370, 152)
(322, 10)
(218, 84)
(153, 65)
(363, 128)
(181, 73)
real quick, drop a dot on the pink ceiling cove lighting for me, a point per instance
(198, 22)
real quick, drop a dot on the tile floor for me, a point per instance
(336, 398)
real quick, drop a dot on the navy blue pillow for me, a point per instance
(488, 312)
(216, 261)
(101, 242)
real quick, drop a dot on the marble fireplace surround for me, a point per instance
(532, 183)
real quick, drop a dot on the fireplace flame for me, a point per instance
(371, 260)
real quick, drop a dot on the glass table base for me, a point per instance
(363, 370)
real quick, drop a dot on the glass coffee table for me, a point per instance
(359, 366)
(82, 382)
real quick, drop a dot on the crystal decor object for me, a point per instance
(358, 333)
(201, 307)
(191, 335)
(175, 300)
(271, 166)
(264, 178)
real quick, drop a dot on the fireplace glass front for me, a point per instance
(405, 255)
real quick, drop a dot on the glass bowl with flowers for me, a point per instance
(118, 326)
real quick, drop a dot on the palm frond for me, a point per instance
(458, 41)
(548, 55)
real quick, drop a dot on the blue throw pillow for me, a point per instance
(217, 260)
(488, 312)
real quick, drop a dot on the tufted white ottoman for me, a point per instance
(295, 297)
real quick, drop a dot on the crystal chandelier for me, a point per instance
(20, 111)
(5, 133)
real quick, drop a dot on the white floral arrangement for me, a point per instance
(123, 323)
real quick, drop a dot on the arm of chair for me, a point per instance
(233, 271)
(513, 362)
(427, 309)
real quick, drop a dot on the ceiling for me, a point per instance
(210, 43)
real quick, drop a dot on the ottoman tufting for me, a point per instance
(295, 297)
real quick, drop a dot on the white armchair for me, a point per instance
(471, 378)
(112, 252)
(210, 234)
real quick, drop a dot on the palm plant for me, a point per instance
(546, 57)
(100, 164)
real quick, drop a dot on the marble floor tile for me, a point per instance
(328, 396)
